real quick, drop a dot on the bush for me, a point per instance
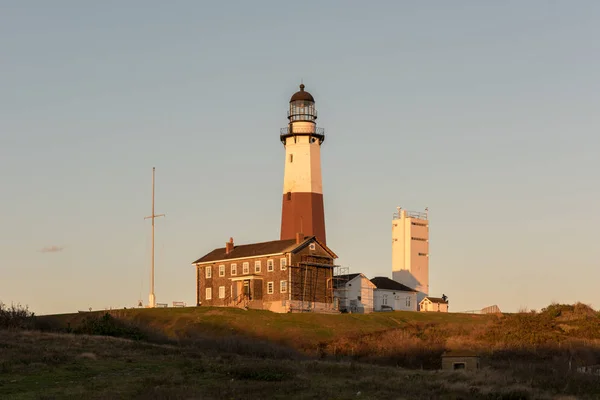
(16, 317)
(107, 325)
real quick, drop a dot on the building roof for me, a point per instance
(435, 300)
(248, 250)
(348, 277)
(302, 95)
(381, 282)
(460, 353)
(340, 280)
(260, 249)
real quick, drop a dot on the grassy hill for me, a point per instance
(36, 365)
(203, 352)
(354, 334)
(305, 332)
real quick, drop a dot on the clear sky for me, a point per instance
(485, 112)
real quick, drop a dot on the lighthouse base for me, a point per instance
(303, 213)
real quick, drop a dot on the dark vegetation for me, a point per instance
(232, 353)
(16, 317)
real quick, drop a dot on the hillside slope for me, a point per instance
(37, 365)
(301, 331)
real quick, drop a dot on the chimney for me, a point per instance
(299, 237)
(229, 246)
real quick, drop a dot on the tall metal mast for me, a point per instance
(151, 297)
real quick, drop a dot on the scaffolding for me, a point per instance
(312, 285)
(340, 293)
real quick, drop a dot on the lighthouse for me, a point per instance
(302, 209)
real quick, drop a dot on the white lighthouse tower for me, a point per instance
(302, 208)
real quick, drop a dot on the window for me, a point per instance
(419, 239)
(291, 158)
(257, 267)
(283, 263)
(384, 301)
(408, 302)
(423, 254)
(283, 287)
(233, 269)
(289, 195)
(418, 224)
(269, 287)
(221, 270)
(208, 295)
(312, 246)
(458, 365)
(221, 292)
(270, 265)
(245, 268)
(208, 271)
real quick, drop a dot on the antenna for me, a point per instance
(151, 297)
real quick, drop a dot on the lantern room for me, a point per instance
(302, 107)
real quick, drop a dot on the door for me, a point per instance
(247, 289)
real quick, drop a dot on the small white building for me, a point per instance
(439, 304)
(354, 292)
(390, 295)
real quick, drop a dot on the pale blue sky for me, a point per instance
(485, 112)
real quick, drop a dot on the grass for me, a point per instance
(38, 365)
(205, 353)
(301, 331)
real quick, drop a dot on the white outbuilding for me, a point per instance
(354, 293)
(389, 295)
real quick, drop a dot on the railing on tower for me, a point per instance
(289, 131)
(413, 214)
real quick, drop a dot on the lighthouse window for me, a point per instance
(291, 158)
(289, 195)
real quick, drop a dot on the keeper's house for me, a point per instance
(291, 275)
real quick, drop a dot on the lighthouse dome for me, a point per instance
(302, 95)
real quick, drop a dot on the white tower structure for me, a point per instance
(410, 250)
(302, 209)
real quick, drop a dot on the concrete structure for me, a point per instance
(357, 293)
(281, 276)
(390, 295)
(410, 250)
(438, 304)
(302, 208)
(460, 360)
(589, 369)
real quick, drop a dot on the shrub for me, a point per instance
(16, 317)
(107, 325)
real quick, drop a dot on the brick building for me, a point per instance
(281, 276)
